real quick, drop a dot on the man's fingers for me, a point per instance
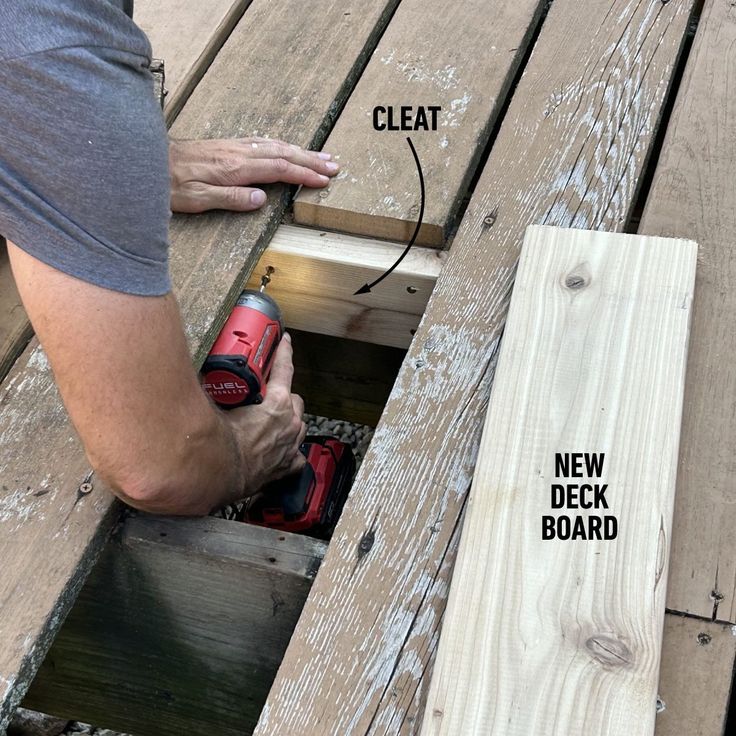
(236, 199)
(272, 170)
(316, 160)
(282, 371)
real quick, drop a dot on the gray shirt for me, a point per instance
(84, 183)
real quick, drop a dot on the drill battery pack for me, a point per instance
(310, 502)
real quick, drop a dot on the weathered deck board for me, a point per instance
(559, 636)
(186, 34)
(48, 537)
(693, 195)
(570, 152)
(317, 273)
(695, 676)
(179, 628)
(15, 330)
(461, 56)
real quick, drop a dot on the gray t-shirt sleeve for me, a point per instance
(84, 183)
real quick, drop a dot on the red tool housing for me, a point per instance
(311, 501)
(238, 366)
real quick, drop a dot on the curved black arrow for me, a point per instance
(367, 287)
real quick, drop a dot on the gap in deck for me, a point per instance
(480, 166)
(645, 183)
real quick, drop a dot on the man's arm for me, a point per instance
(124, 372)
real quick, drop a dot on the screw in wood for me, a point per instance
(411, 289)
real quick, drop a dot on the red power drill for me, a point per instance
(238, 366)
(235, 374)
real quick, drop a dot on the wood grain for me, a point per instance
(48, 536)
(461, 56)
(316, 275)
(15, 330)
(559, 636)
(186, 34)
(179, 629)
(693, 196)
(558, 159)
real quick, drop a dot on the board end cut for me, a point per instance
(554, 628)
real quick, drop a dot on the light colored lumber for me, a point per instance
(560, 636)
(186, 34)
(317, 273)
(695, 677)
(358, 647)
(15, 330)
(693, 195)
(190, 616)
(343, 379)
(461, 56)
(48, 537)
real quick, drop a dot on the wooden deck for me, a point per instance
(615, 115)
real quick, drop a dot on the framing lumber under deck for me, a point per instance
(316, 274)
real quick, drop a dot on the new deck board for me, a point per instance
(570, 151)
(693, 195)
(49, 537)
(544, 633)
(460, 56)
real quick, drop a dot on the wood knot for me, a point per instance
(578, 278)
(575, 281)
(609, 650)
(704, 639)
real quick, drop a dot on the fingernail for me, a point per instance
(331, 166)
(324, 156)
(287, 337)
(323, 178)
(258, 197)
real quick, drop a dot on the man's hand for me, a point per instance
(269, 434)
(151, 432)
(218, 174)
